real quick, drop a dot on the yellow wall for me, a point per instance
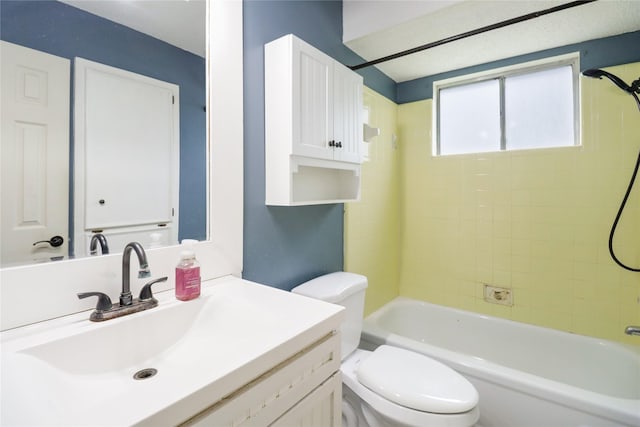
(372, 225)
(536, 221)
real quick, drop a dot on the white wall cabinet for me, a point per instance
(127, 156)
(305, 390)
(313, 126)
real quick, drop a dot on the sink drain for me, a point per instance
(143, 374)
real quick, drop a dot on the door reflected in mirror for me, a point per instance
(62, 33)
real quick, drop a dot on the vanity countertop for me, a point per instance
(70, 371)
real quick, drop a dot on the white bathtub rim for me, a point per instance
(601, 405)
(410, 301)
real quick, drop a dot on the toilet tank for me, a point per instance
(347, 290)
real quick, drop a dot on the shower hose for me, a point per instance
(635, 87)
(620, 210)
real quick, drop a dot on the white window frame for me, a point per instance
(571, 59)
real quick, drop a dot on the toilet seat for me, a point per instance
(415, 381)
(395, 413)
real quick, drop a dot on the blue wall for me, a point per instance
(284, 246)
(65, 31)
(615, 50)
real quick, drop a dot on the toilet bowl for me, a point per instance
(390, 386)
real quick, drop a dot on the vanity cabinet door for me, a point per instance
(275, 395)
(321, 408)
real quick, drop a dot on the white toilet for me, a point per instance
(390, 386)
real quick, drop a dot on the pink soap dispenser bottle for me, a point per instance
(187, 276)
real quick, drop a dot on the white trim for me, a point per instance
(226, 132)
(509, 70)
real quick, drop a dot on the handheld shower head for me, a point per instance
(631, 90)
(598, 74)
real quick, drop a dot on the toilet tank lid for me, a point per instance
(333, 287)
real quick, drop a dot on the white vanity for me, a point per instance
(242, 354)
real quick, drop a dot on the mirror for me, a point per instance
(73, 29)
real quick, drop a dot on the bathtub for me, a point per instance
(525, 375)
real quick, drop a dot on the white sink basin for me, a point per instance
(75, 372)
(121, 344)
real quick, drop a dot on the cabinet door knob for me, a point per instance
(339, 144)
(332, 143)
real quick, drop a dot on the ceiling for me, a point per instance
(445, 19)
(181, 23)
(377, 28)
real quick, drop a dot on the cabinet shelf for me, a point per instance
(314, 182)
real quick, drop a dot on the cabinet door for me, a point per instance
(268, 399)
(321, 408)
(127, 136)
(312, 105)
(347, 114)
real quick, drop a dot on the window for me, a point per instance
(532, 105)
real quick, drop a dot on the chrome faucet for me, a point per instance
(106, 310)
(632, 330)
(93, 245)
(125, 295)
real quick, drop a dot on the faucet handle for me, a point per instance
(104, 302)
(145, 292)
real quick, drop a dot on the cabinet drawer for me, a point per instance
(265, 399)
